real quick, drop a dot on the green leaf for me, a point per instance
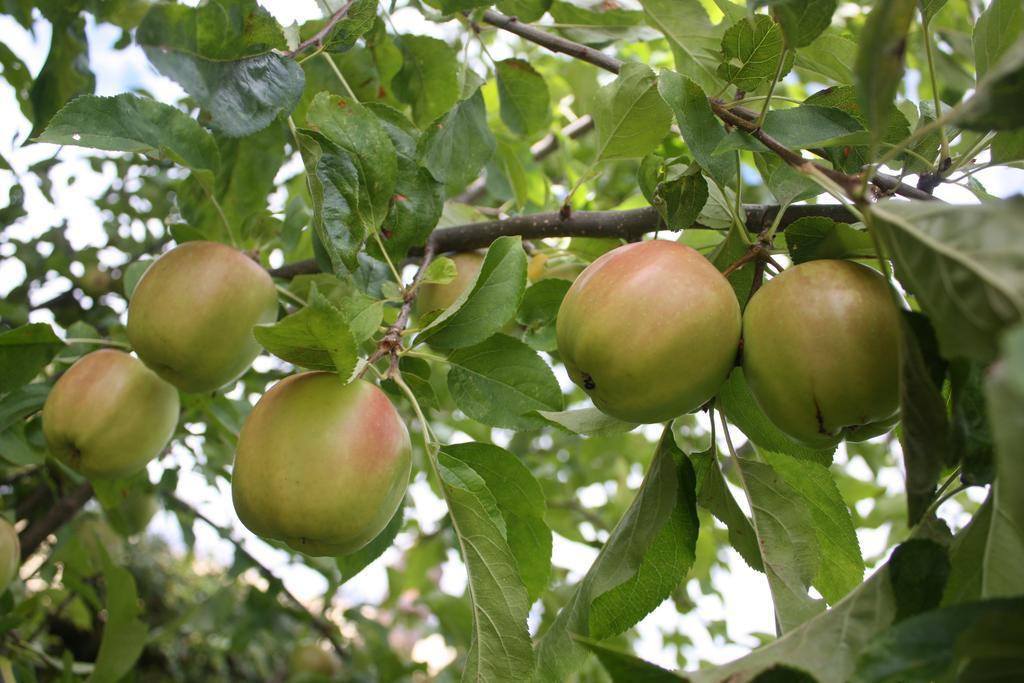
(700, 128)
(994, 104)
(918, 570)
(643, 561)
(970, 436)
(317, 337)
(1004, 552)
(739, 406)
(587, 421)
(801, 20)
(524, 97)
(501, 648)
(934, 645)
(539, 312)
(221, 55)
(787, 534)
(521, 501)
(967, 556)
(18, 76)
(24, 351)
(879, 67)
(418, 199)
(65, 74)
(525, 10)
(997, 28)
(456, 146)
(357, 21)
(629, 114)
(851, 158)
(964, 264)
(818, 237)
(786, 184)
(429, 77)
(626, 668)
(124, 634)
(22, 402)
(811, 125)
(694, 41)
(922, 412)
(680, 196)
(501, 381)
(829, 58)
(351, 565)
(751, 50)
(599, 24)
(126, 123)
(713, 495)
(489, 304)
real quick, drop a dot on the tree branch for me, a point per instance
(326, 630)
(59, 515)
(630, 224)
(552, 42)
(318, 38)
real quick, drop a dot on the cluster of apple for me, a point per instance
(651, 330)
(321, 466)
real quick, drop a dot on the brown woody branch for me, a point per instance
(629, 225)
(318, 38)
(552, 42)
(324, 628)
(60, 514)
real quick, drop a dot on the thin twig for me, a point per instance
(552, 42)
(318, 38)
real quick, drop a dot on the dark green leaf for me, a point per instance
(701, 130)
(351, 565)
(126, 123)
(918, 569)
(970, 438)
(21, 403)
(801, 20)
(539, 312)
(751, 50)
(428, 79)
(626, 668)
(879, 68)
(24, 351)
(680, 196)
(818, 237)
(501, 381)
(64, 76)
(851, 158)
(713, 495)
(994, 104)
(317, 337)
(456, 146)
(964, 264)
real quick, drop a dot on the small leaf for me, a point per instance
(629, 114)
(521, 501)
(539, 312)
(524, 97)
(126, 123)
(918, 570)
(456, 146)
(964, 265)
(24, 351)
(489, 304)
(751, 50)
(819, 237)
(802, 20)
(694, 41)
(879, 68)
(441, 271)
(317, 337)
(681, 196)
(501, 381)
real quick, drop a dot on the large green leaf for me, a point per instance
(626, 668)
(524, 97)
(801, 20)
(629, 114)
(995, 31)
(456, 146)
(124, 634)
(500, 649)
(751, 50)
(643, 561)
(819, 237)
(694, 41)
(964, 264)
(521, 501)
(713, 495)
(127, 123)
(701, 130)
(429, 77)
(489, 304)
(24, 351)
(501, 381)
(879, 68)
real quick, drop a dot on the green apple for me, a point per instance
(192, 313)
(312, 659)
(435, 297)
(109, 415)
(650, 330)
(321, 466)
(821, 352)
(133, 511)
(541, 268)
(10, 554)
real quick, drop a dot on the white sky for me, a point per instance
(745, 602)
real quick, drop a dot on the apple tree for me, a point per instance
(558, 317)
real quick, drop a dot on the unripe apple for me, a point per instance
(109, 415)
(312, 659)
(821, 351)
(10, 554)
(433, 297)
(541, 268)
(133, 511)
(192, 313)
(321, 466)
(649, 330)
